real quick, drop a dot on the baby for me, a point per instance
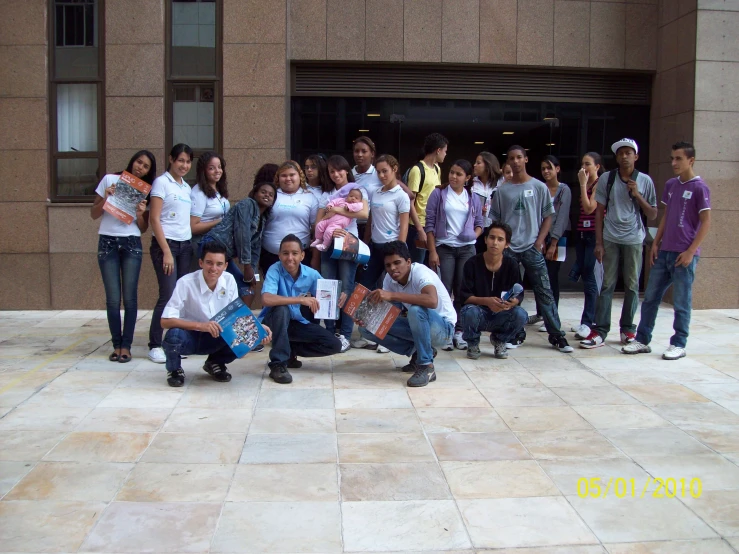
(326, 227)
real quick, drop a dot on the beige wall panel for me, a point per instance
(712, 275)
(717, 135)
(133, 122)
(725, 5)
(384, 35)
(134, 22)
(254, 21)
(669, 11)
(24, 175)
(23, 71)
(345, 28)
(667, 93)
(685, 99)
(242, 165)
(721, 240)
(460, 38)
(422, 30)
(608, 35)
(716, 86)
(641, 37)
(23, 227)
(254, 69)
(308, 29)
(667, 49)
(686, 6)
(571, 33)
(686, 29)
(535, 32)
(134, 70)
(254, 122)
(719, 36)
(498, 28)
(24, 124)
(71, 229)
(25, 279)
(723, 180)
(23, 22)
(76, 282)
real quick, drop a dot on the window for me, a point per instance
(194, 75)
(76, 69)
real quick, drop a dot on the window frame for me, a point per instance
(53, 83)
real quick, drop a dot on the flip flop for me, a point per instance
(124, 359)
(114, 357)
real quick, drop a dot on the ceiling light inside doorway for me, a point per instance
(479, 142)
(364, 130)
(373, 115)
(507, 132)
(550, 144)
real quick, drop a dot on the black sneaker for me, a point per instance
(412, 366)
(218, 371)
(176, 378)
(424, 375)
(280, 374)
(560, 343)
(294, 363)
(258, 348)
(534, 319)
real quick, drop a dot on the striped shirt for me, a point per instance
(586, 223)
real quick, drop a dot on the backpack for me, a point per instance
(422, 168)
(609, 186)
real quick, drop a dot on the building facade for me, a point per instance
(86, 83)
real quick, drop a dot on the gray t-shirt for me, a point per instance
(522, 206)
(623, 223)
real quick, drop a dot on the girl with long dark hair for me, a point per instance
(209, 199)
(487, 174)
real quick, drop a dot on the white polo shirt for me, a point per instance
(369, 181)
(109, 224)
(175, 218)
(386, 207)
(421, 276)
(193, 300)
(208, 209)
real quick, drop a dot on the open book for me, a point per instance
(350, 248)
(241, 330)
(328, 292)
(376, 318)
(129, 192)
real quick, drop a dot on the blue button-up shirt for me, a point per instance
(278, 281)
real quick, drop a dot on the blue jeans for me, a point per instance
(631, 257)
(375, 267)
(451, 264)
(119, 259)
(585, 249)
(535, 266)
(245, 289)
(422, 329)
(663, 274)
(503, 326)
(343, 270)
(181, 252)
(418, 255)
(180, 342)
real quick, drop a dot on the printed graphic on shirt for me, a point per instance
(520, 207)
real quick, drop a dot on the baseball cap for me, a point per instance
(631, 143)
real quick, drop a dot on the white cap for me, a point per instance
(631, 143)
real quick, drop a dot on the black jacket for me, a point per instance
(479, 281)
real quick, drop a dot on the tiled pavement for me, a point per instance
(104, 457)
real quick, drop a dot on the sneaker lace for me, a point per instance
(420, 371)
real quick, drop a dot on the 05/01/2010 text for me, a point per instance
(595, 487)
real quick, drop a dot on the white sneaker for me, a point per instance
(543, 329)
(382, 350)
(362, 343)
(593, 341)
(674, 353)
(345, 344)
(157, 356)
(636, 347)
(458, 341)
(582, 332)
(448, 347)
(511, 346)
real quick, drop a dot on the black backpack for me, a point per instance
(609, 187)
(421, 167)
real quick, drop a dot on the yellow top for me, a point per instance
(430, 182)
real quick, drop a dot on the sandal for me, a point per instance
(114, 357)
(124, 359)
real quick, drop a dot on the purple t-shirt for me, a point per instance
(684, 202)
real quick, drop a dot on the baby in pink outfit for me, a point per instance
(326, 227)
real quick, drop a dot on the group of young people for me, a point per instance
(452, 250)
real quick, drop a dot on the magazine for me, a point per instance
(129, 192)
(562, 249)
(376, 318)
(328, 292)
(241, 330)
(350, 248)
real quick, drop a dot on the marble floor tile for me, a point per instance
(613, 417)
(46, 526)
(372, 399)
(707, 546)
(33, 418)
(293, 421)
(526, 395)
(73, 481)
(657, 441)
(394, 526)
(714, 471)
(11, 473)
(593, 396)
(177, 483)
(504, 479)
(461, 420)
(288, 398)
(640, 519)
(207, 420)
(519, 522)
(664, 394)
(383, 448)
(500, 379)
(567, 474)
(284, 483)
(125, 397)
(21, 446)
(389, 378)
(194, 449)
(501, 445)
(304, 378)
(570, 378)
(129, 420)
(428, 397)
(377, 421)
(190, 527)
(542, 418)
(396, 481)
(90, 446)
(696, 414)
(289, 449)
(570, 549)
(722, 438)
(260, 527)
(550, 445)
(224, 396)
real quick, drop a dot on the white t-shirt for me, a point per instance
(457, 208)
(369, 181)
(194, 301)
(292, 213)
(326, 197)
(110, 225)
(208, 209)
(421, 276)
(175, 218)
(386, 208)
(315, 191)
